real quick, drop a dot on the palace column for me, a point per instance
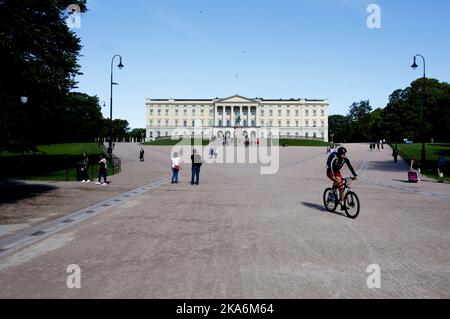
(241, 115)
(232, 117)
(223, 115)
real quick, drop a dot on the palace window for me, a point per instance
(307, 123)
(279, 112)
(279, 123)
(159, 122)
(167, 111)
(271, 112)
(322, 112)
(322, 123)
(167, 122)
(314, 113)
(306, 112)
(159, 111)
(296, 112)
(176, 123)
(296, 123)
(288, 123)
(314, 123)
(184, 123)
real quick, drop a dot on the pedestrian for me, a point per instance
(84, 169)
(370, 147)
(395, 155)
(176, 166)
(102, 171)
(415, 166)
(211, 152)
(441, 168)
(141, 155)
(196, 160)
(378, 146)
(216, 152)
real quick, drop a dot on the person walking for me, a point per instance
(84, 169)
(441, 168)
(141, 155)
(216, 152)
(175, 168)
(102, 171)
(395, 155)
(415, 166)
(196, 160)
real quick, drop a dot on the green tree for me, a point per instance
(339, 127)
(359, 114)
(80, 119)
(138, 134)
(39, 59)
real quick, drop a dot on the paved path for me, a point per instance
(245, 235)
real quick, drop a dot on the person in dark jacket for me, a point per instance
(196, 160)
(84, 170)
(102, 171)
(335, 162)
(395, 155)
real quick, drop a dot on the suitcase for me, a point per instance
(412, 177)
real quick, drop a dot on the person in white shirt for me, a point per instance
(175, 168)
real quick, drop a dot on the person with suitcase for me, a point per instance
(414, 170)
(441, 168)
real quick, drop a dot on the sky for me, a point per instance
(312, 49)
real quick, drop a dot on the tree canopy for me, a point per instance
(401, 118)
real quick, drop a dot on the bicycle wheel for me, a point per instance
(351, 205)
(329, 200)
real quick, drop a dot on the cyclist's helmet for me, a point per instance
(342, 150)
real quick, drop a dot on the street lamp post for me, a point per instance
(120, 66)
(415, 66)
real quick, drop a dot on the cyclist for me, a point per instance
(335, 162)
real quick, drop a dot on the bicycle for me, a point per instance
(351, 200)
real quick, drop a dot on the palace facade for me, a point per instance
(292, 118)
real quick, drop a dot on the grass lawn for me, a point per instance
(168, 141)
(295, 142)
(56, 162)
(433, 151)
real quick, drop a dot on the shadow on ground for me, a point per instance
(321, 208)
(14, 191)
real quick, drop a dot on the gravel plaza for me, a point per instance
(239, 234)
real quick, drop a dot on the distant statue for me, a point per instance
(238, 120)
